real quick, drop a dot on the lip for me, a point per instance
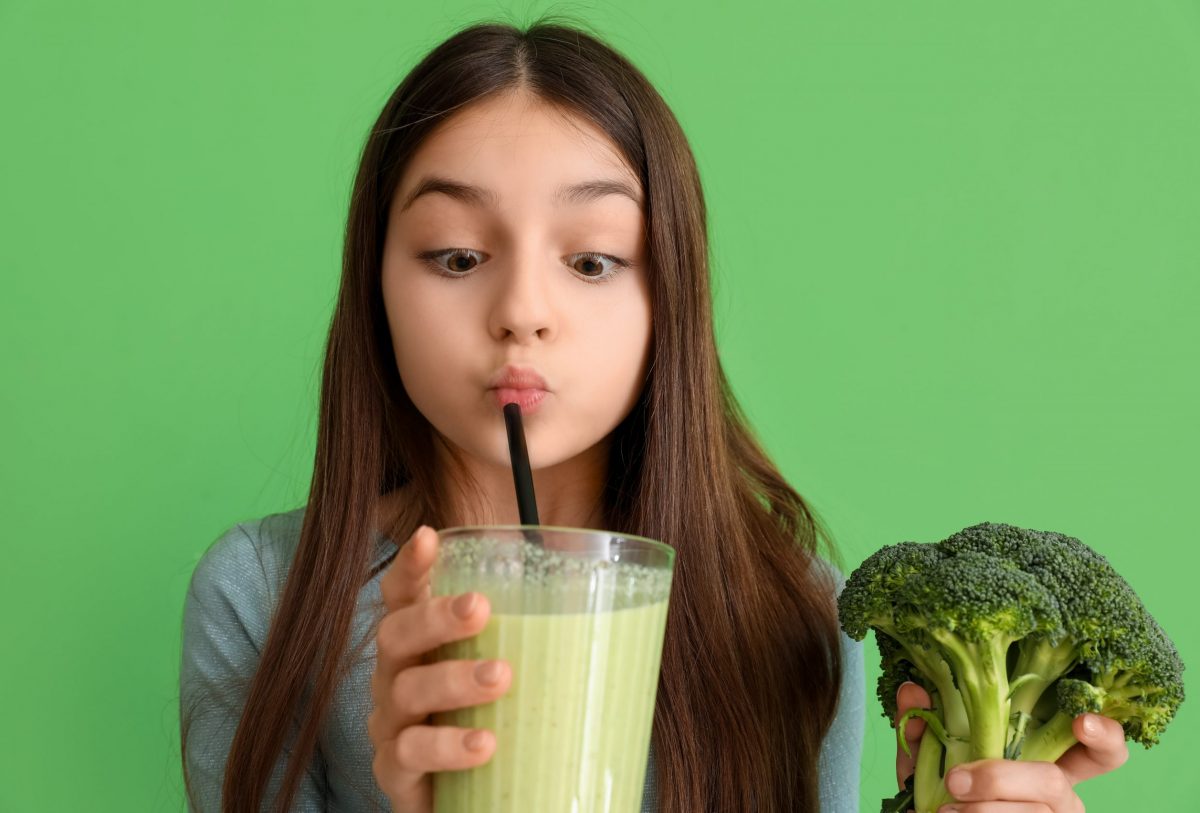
(527, 399)
(523, 386)
(514, 376)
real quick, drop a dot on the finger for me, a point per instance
(990, 780)
(910, 695)
(996, 807)
(421, 690)
(411, 632)
(425, 748)
(402, 765)
(406, 579)
(1102, 748)
(406, 790)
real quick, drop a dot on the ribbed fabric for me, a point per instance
(227, 610)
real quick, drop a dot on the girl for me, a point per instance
(527, 223)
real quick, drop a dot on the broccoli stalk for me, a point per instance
(929, 793)
(1039, 663)
(981, 674)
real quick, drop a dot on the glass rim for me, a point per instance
(647, 542)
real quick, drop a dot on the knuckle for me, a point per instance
(451, 623)
(458, 684)
(421, 690)
(984, 779)
(394, 640)
(408, 748)
(441, 610)
(385, 770)
(446, 747)
(385, 637)
(1059, 785)
(1122, 754)
(444, 623)
(407, 559)
(405, 692)
(387, 589)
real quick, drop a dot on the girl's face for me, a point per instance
(497, 262)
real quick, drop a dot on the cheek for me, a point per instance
(615, 352)
(419, 335)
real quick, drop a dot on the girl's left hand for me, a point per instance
(1012, 786)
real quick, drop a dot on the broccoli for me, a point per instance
(1013, 632)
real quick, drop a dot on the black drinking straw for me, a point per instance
(522, 476)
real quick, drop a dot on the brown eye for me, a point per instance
(461, 261)
(590, 265)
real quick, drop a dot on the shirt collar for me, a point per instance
(384, 548)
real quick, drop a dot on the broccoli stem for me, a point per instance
(981, 670)
(1051, 740)
(1039, 664)
(949, 705)
(1046, 663)
(929, 790)
(952, 710)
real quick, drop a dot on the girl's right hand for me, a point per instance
(407, 687)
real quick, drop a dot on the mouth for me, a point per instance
(523, 386)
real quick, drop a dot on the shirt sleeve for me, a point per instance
(841, 751)
(226, 614)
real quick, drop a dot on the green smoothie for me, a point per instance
(573, 731)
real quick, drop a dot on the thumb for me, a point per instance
(909, 696)
(406, 580)
(1101, 748)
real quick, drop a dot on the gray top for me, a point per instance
(227, 611)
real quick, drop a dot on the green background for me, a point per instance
(956, 257)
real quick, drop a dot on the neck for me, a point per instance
(568, 493)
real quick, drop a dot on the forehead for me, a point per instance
(516, 145)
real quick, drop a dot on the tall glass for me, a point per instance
(580, 616)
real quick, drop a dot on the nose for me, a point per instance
(521, 309)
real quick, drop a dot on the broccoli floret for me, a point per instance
(896, 670)
(1097, 608)
(1013, 632)
(1136, 679)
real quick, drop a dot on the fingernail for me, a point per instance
(958, 782)
(1091, 726)
(947, 809)
(463, 605)
(488, 673)
(475, 741)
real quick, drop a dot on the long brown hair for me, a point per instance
(751, 666)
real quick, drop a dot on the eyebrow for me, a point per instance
(583, 192)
